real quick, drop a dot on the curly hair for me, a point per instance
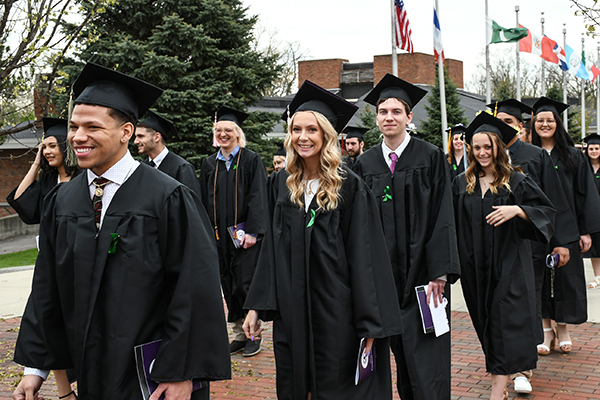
(330, 173)
(501, 166)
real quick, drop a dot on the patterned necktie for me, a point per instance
(151, 163)
(97, 199)
(394, 158)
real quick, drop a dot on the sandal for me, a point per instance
(565, 345)
(543, 349)
(595, 284)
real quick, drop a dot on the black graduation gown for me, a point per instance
(594, 251)
(497, 272)
(415, 207)
(236, 265)
(537, 164)
(568, 303)
(456, 168)
(29, 204)
(88, 307)
(349, 162)
(180, 170)
(326, 279)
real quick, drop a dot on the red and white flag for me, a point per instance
(402, 26)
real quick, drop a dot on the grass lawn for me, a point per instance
(20, 258)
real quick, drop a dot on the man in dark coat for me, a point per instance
(150, 137)
(234, 192)
(355, 143)
(410, 179)
(118, 264)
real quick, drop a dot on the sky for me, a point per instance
(356, 30)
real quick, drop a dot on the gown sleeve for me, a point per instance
(195, 342)
(256, 198)
(375, 300)
(539, 210)
(29, 204)
(587, 200)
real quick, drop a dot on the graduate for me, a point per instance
(119, 266)
(53, 166)
(411, 182)
(279, 159)
(150, 137)
(592, 152)
(323, 276)
(496, 208)
(355, 143)
(234, 192)
(456, 150)
(537, 164)
(564, 291)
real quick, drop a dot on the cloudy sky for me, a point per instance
(358, 29)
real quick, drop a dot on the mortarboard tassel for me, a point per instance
(71, 157)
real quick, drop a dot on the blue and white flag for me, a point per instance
(438, 48)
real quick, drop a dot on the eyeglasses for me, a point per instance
(545, 121)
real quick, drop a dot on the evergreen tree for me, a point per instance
(373, 136)
(198, 51)
(432, 127)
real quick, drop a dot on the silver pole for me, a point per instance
(543, 65)
(488, 83)
(598, 94)
(565, 94)
(394, 50)
(518, 60)
(442, 91)
(582, 94)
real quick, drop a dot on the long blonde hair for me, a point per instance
(330, 172)
(501, 166)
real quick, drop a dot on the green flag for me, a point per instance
(499, 34)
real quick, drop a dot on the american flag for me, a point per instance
(403, 30)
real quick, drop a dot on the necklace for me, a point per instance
(308, 186)
(98, 192)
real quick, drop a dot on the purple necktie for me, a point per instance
(394, 158)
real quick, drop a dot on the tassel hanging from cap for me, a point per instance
(71, 157)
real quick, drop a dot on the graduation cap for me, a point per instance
(592, 139)
(55, 127)
(312, 97)
(511, 107)
(456, 129)
(160, 124)
(230, 114)
(280, 151)
(355, 132)
(546, 104)
(485, 122)
(392, 86)
(100, 86)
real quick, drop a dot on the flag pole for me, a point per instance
(488, 84)
(518, 61)
(394, 51)
(440, 62)
(582, 92)
(543, 64)
(565, 95)
(598, 95)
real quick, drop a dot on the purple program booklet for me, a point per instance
(426, 316)
(237, 232)
(365, 364)
(144, 361)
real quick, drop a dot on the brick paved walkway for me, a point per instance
(574, 376)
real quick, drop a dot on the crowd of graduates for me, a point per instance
(331, 249)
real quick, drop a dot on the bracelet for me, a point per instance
(72, 392)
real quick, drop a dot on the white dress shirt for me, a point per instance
(386, 150)
(160, 157)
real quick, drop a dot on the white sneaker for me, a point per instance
(522, 385)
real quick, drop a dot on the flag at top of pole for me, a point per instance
(403, 30)
(438, 48)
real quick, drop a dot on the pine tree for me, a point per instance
(198, 51)
(432, 127)
(373, 136)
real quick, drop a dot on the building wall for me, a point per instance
(416, 68)
(14, 165)
(325, 73)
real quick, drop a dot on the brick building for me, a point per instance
(356, 79)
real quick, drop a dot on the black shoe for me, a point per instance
(236, 346)
(252, 347)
